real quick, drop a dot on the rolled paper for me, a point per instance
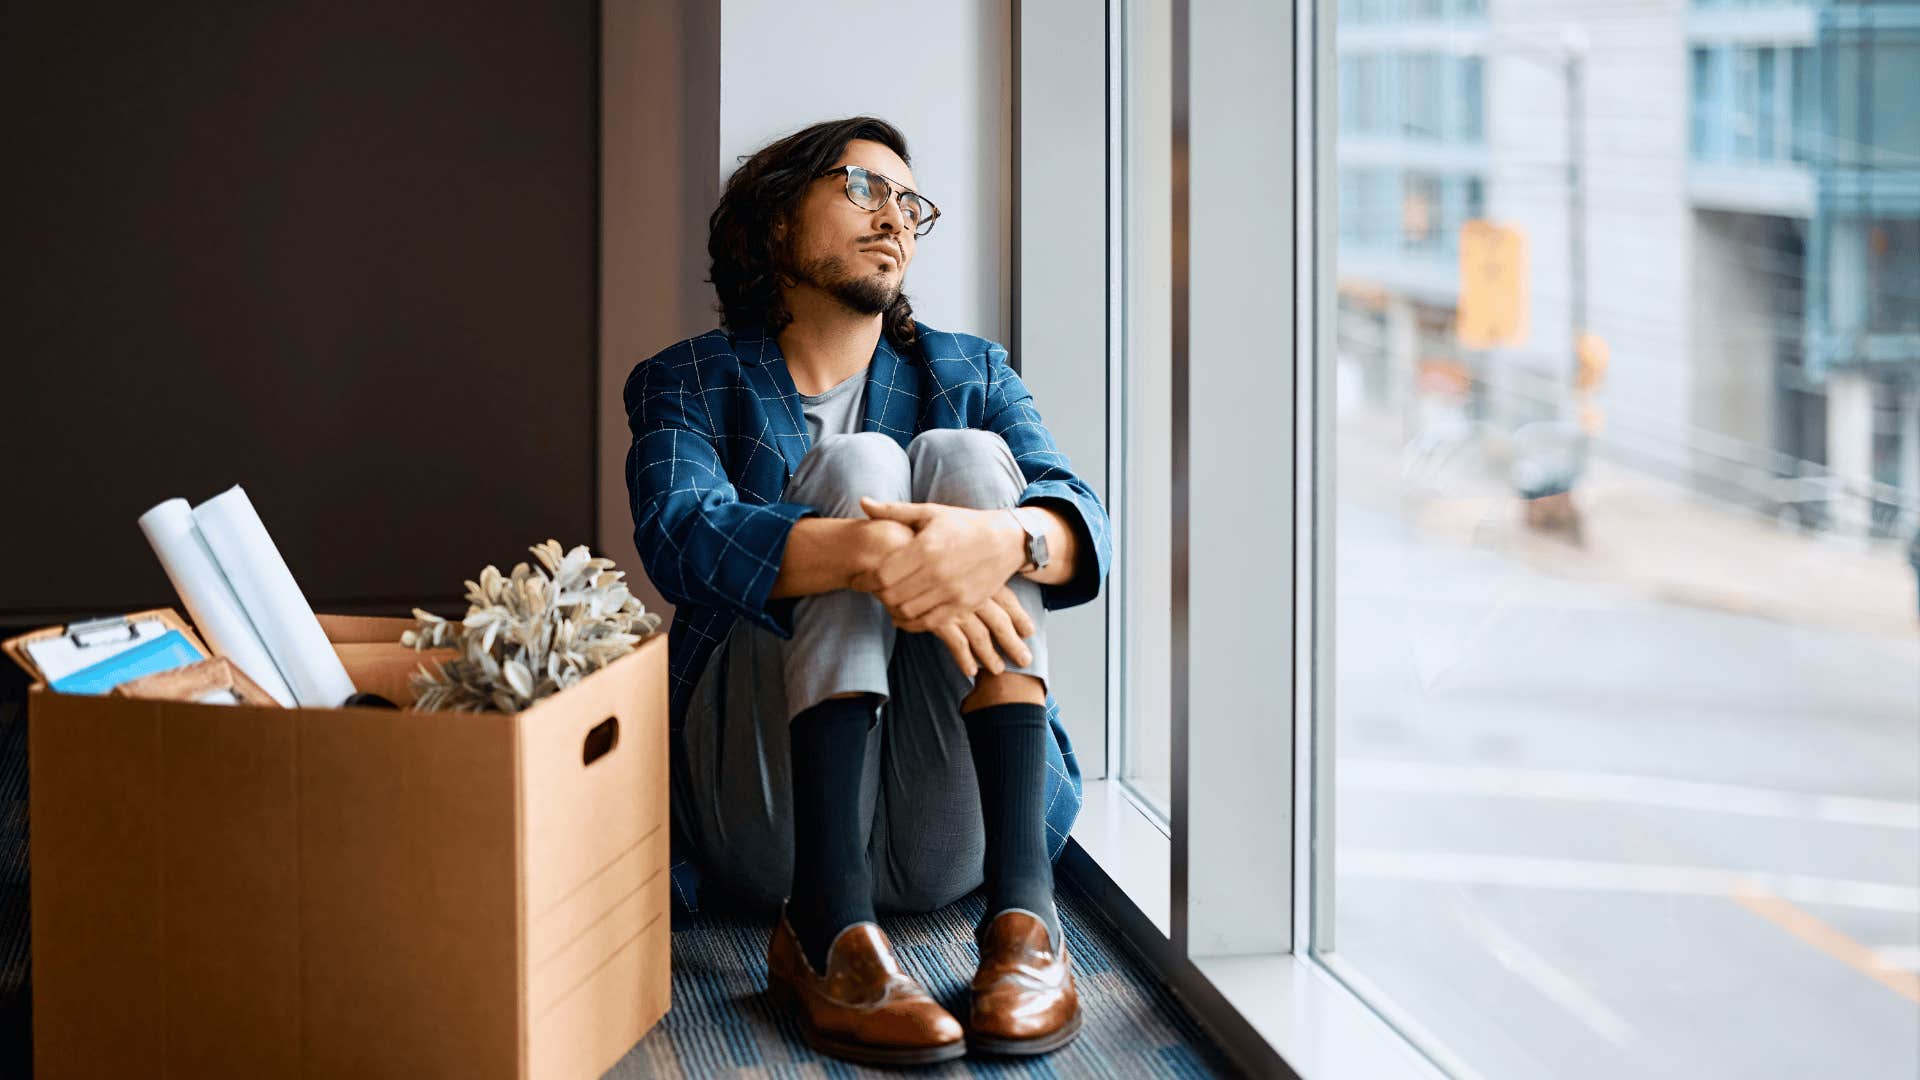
(272, 599)
(209, 599)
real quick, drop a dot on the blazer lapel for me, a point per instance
(893, 394)
(766, 371)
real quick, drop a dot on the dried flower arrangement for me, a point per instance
(528, 635)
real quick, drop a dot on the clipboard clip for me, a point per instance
(102, 631)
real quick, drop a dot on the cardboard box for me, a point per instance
(228, 890)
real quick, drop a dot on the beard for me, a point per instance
(869, 294)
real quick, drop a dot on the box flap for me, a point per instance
(360, 629)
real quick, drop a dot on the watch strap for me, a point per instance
(1034, 540)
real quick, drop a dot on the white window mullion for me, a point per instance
(1233, 828)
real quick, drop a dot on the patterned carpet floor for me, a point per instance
(722, 1023)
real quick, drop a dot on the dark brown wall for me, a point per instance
(343, 254)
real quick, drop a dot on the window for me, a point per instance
(1745, 102)
(1350, 103)
(1802, 104)
(1143, 540)
(1752, 104)
(1764, 111)
(1873, 76)
(1471, 104)
(1372, 105)
(1706, 103)
(1588, 777)
(1567, 661)
(1421, 99)
(1420, 212)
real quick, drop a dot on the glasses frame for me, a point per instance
(898, 189)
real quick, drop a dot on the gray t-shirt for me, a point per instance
(838, 410)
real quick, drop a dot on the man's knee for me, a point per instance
(964, 467)
(848, 466)
(963, 443)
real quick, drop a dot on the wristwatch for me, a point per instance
(1036, 542)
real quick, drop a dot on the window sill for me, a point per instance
(1127, 846)
(1271, 1013)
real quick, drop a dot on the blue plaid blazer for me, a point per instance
(717, 433)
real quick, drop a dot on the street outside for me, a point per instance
(1647, 806)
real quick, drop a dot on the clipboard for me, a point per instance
(217, 680)
(108, 635)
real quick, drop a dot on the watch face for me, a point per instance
(1037, 550)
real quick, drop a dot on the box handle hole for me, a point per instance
(600, 741)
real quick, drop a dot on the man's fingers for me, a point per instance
(1001, 626)
(911, 513)
(982, 643)
(1022, 621)
(930, 600)
(936, 617)
(914, 595)
(897, 567)
(961, 649)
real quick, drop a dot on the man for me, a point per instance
(862, 522)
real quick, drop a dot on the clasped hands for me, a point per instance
(944, 569)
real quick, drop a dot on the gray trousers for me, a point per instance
(732, 789)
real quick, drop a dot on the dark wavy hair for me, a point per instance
(748, 260)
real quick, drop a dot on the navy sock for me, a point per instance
(1009, 744)
(832, 883)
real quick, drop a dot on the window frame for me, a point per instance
(1234, 934)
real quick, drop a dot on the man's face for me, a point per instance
(859, 257)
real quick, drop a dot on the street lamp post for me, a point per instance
(1571, 67)
(1569, 59)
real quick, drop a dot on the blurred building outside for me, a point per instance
(1718, 212)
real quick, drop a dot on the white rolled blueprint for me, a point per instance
(273, 600)
(210, 602)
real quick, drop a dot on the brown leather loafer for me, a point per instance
(866, 1008)
(1023, 996)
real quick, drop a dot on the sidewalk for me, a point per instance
(1643, 534)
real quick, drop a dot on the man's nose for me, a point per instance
(890, 217)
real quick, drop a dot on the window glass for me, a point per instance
(1143, 544)
(1895, 131)
(1804, 99)
(1764, 111)
(1471, 100)
(1706, 102)
(1746, 97)
(1420, 96)
(1625, 591)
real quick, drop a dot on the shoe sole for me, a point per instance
(861, 1053)
(1039, 1044)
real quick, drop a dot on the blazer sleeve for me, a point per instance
(699, 542)
(1051, 480)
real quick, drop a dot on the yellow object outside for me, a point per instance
(1493, 286)
(1591, 354)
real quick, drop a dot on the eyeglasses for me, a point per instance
(869, 190)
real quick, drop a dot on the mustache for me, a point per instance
(891, 241)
